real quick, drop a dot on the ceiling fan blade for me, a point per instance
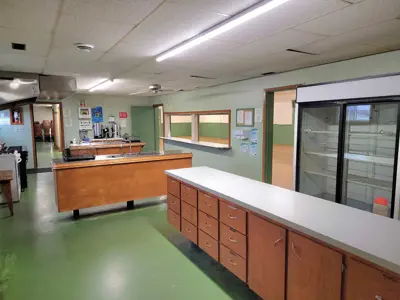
(138, 93)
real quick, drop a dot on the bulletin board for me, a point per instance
(245, 117)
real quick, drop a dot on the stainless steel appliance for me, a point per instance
(347, 147)
(98, 130)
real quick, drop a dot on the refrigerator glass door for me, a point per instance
(319, 130)
(369, 155)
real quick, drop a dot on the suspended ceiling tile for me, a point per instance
(31, 15)
(278, 42)
(21, 63)
(125, 12)
(355, 16)
(288, 15)
(37, 44)
(123, 53)
(103, 35)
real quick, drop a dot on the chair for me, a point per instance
(46, 125)
(5, 182)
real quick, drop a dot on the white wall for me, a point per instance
(250, 93)
(112, 105)
(283, 108)
(57, 125)
(41, 113)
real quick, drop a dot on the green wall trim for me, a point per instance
(216, 130)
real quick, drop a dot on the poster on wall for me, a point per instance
(253, 149)
(245, 117)
(84, 113)
(254, 135)
(97, 114)
(85, 125)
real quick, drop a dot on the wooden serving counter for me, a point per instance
(108, 179)
(105, 148)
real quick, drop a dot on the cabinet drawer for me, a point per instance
(208, 224)
(174, 219)
(208, 204)
(232, 262)
(208, 244)
(234, 240)
(365, 282)
(232, 216)
(189, 195)
(189, 231)
(173, 187)
(189, 213)
(174, 204)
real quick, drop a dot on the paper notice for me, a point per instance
(123, 123)
(253, 149)
(258, 116)
(254, 136)
(248, 118)
(244, 148)
(240, 117)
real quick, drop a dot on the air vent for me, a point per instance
(268, 73)
(17, 46)
(301, 52)
(201, 77)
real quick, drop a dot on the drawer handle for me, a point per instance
(187, 230)
(232, 240)
(378, 297)
(188, 188)
(294, 250)
(278, 240)
(208, 245)
(173, 181)
(173, 202)
(207, 196)
(208, 204)
(207, 225)
(173, 219)
(232, 207)
(231, 217)
(232, 262)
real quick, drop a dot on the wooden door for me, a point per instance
(364, 282)
(143, 126)
(266, 258)
(314, 271)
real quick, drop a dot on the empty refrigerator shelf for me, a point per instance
(359, 157)
(372, 182)
(350, 202)
(368, 134)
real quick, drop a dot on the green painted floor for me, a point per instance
(110, 253)
(45, 153)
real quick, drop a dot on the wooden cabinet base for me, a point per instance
(233, 262)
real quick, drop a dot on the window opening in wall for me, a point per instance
(181, 127)
(214, 128)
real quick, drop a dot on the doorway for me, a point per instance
(47, 131)
(280, 139)
(159, 126)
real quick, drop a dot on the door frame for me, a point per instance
(267, 125)
(62, 142)
(155, 106)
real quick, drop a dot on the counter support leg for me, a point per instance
(130, 204)
(76, 214)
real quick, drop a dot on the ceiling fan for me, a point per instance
(155, 89)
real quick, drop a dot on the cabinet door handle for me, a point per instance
(207, 225)
(232, 262)
(187, 230)
(294, 250)
(173, 181)
(173, 219)
(173, 202)
(232, 240)
(208, 204)
(208, 245)
(278, 240)
(232, 207)
(207, 196)
(378, 297)
(231, 217)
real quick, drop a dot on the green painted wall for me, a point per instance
(283, 134)
(216, 130)
(181, 129)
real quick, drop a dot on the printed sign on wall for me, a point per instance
(97, 114)
(123, 115)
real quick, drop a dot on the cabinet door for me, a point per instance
(365, 282)
(314, 271)
(266, 258)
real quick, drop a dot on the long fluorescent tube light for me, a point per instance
(224, 27)
(102, 86)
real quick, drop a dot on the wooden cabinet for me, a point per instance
(189, 230)
(234, 240)
(208, 225)
(233, 262)
(209, 245)
(266, 258)
(314, 271)
(364, 282)
(233, 216)
(208, 204)
(174, 203)
(189, 195)
(189, 213)
(174, 219)
(174, 187)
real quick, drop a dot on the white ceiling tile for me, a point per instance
(285, 16)
(85, 82)
(355, 16)
(31, 15)
(229, 7)
(275, 43)
(21, 63)
(37, 44)
(123, 53)
(103, 35)
(125, 12)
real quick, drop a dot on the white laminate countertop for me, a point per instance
(369, 236)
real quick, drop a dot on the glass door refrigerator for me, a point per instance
(347, 151)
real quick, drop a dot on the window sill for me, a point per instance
(203, 144)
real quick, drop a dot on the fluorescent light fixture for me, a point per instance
(224, 27)
(102, 86)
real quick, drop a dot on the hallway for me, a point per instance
(110, 253)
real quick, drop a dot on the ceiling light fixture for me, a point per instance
(241, 18)
(102, 86)
(84, 47)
